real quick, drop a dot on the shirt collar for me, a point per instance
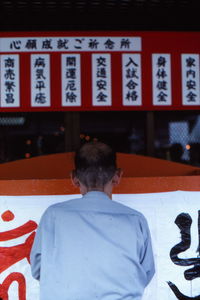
(94, 194)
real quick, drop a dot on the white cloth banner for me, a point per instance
(176, 245)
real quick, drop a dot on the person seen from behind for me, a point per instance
(93, 248)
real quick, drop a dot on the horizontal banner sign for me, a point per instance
(174, 222)
(99, 71)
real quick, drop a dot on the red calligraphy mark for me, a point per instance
(7, 216)
(17, 232)
(11, 255)
(15, 276)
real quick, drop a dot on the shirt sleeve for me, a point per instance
(147, 257)
(44, 227)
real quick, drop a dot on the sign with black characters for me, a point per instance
(121, 70)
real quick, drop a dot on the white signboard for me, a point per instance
(69, 43)
(40, 80)
(9, 84)
(71, 80)
(174, 222)
(190, 79)
(131, 78)
(161, 66)
(101, 80)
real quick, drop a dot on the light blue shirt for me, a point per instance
(92, 248)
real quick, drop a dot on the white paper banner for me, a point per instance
(177, 260)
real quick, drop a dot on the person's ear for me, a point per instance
(117, 177)
(74, 179)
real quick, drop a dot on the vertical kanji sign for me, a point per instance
(161, 65)
(10, 89)
(101, 80)
(71, 80)
(132, 84)
(190, 79)
(40, 80)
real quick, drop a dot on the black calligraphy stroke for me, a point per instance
(184, 222)
(179, 295)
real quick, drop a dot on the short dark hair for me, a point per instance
(95, 164)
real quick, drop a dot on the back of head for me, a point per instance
(95, 164)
